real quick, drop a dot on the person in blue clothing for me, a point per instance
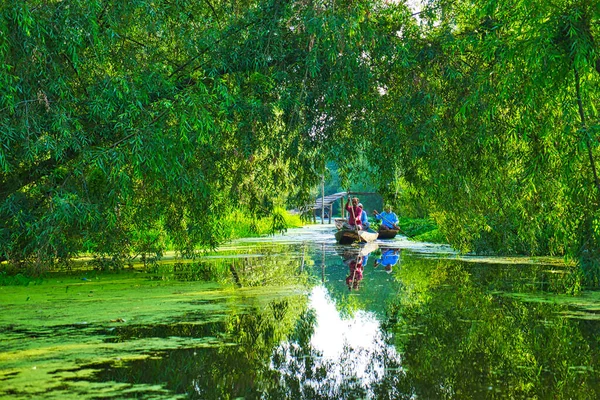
(364, 218)
(389, 220)
(389, 258)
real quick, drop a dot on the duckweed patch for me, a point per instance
(55, 335)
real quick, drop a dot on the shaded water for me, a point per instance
(298, 316)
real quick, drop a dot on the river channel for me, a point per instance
(297, 316)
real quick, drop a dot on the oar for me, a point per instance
(357, 234)
(356, 226)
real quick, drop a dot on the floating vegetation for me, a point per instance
(277, 319)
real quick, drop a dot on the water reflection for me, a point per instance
(348, 355)
(461, 337)
(278, 320)
(235, 364)
(389, 257)
(356, 259)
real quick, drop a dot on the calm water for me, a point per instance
(297, 316)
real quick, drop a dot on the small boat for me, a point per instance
(388, 233)
(363, 250)
(339, 222)
(347, 236)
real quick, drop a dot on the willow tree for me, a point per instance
(124, 117)
(494, 118)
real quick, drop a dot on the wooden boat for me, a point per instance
(362, 249)
(347, 236)
(339, 222)
(387, 233)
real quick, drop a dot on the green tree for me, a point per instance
(492, 112)
(163, 117)
(123, 117)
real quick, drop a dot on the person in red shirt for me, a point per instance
(354, 213)
(355, 273)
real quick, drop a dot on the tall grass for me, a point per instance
(239, 224)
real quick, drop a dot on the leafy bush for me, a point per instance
(19, 279)
(413, 227)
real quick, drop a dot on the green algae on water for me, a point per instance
(55, 333)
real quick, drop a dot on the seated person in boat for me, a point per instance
(364, 219)
(354, 213)
(389, 220)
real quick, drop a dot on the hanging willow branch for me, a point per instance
(583, 126)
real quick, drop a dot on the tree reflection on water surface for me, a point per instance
(279, 321)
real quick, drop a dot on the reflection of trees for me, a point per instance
(457, 335)
(461, 339)
(232, 358)
(239, 368)
(270, 355)
(257, 266)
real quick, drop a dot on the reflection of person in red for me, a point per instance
(356, 268)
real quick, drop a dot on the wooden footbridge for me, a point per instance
(326, 203)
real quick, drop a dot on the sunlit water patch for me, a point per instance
(350, 353)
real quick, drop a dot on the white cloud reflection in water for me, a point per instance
(351, 349)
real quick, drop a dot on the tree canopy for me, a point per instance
(495, 123)
(120, 117)
(127, 117)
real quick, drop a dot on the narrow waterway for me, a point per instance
(298, 316)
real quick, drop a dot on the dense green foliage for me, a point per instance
(165, 116)
(492, 109)
(124, 117)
